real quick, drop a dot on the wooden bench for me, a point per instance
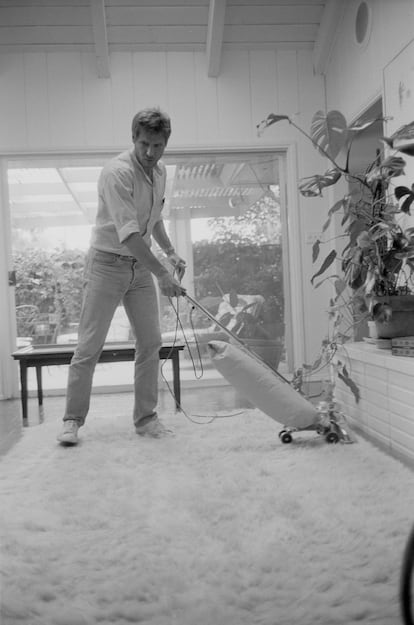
(43, 355)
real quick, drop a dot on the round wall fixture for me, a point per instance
(363, 23)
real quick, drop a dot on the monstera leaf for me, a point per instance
(366, 123)
(401, 192)
(329, 132)
(313, 185)
(271, 119)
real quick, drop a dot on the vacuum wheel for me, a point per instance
(285, 437)
(332, 437)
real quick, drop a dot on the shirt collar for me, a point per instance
(156, 169)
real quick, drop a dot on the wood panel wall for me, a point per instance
(54, 102)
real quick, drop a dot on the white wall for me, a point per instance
(54, 102)
(358, 75)
(354, 77)
(382, 66)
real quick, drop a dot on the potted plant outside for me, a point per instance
(253, 320)
(256, 326)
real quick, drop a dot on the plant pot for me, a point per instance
(394, 316)
(269, 351)
(372, 330)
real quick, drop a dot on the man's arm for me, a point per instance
(138, 248)
(160, 235)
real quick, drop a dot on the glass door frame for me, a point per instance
(9, 384)
(8, 369)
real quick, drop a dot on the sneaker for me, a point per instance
(69, 434)
(153, 429)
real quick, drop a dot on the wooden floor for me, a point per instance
(10, 424)
(199, 400)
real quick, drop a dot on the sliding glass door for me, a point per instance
(224, 214)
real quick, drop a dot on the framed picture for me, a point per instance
(399, 88)
(398, 77)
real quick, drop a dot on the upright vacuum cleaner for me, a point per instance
(271, 392)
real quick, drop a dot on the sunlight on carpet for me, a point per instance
(219, 525)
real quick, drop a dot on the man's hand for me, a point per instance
(169, 286)
(178, 263)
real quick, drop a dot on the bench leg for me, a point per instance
(39, 385)
(176, 379)
(23, 389)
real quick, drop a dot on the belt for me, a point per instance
(120, 256)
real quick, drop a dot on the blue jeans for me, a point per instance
(109, 280)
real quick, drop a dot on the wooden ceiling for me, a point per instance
(104, 26)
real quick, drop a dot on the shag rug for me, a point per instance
(220, 525)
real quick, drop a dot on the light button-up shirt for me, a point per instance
(128, 201)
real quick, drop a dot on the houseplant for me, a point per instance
(376, 262)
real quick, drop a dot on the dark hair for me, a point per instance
(153, 120)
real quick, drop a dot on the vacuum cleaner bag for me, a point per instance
(261, 386)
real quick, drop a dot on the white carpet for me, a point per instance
(220, 525)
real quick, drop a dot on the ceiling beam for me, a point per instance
(100, 38)
(331, 17)
(215, 29)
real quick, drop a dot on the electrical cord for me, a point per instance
(179, 325)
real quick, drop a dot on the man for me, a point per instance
(120, 267)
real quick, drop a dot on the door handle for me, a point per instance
(12, 278)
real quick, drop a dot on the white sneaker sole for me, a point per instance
(68, 439)
(147, 433)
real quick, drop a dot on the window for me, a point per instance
(224, 215)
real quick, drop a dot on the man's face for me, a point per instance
(149, 148)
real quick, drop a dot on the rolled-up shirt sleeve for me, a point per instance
(117, 194)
